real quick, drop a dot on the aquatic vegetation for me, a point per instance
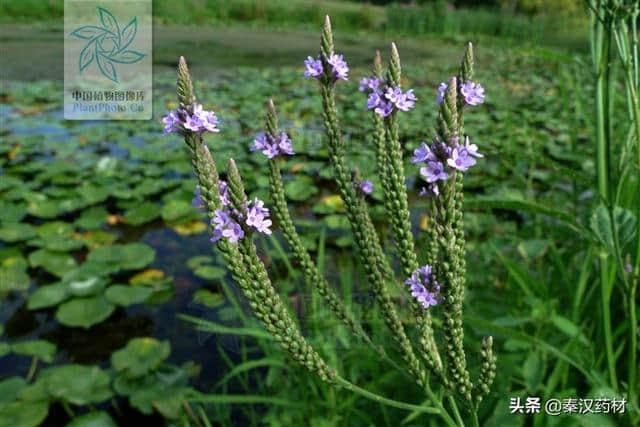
(235, 220)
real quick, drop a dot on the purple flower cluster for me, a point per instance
(439, 156)
(383, 100)
(339, 68)
(272, 147)
(473, 93)
(197, 201)
(424, 286)
(180, 121)
(366, 187)
(226, 222)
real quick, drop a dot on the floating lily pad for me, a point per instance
(56, 263)
(127, 294)
(300, 189)
(176, 210)
(23, 414)
(10, 387)
(93, 419)
(210, 272)
(148, 277)
(142, 213)
(17, 232)
(189, 228)
(197, 261)
(38, 348)
(96, 238)
(12, 212)
(208, 298)
(13, 276)
(85, 287)
(92, 218)
(84, 312)
(79, 384)
(140, 356)
(90, 269)
(48, 296)
(128, 256)
(58, 236)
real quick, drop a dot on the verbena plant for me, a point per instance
(439, 368)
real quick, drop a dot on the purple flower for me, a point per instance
(384, 109)
(424, 287)
(200, 121)
(366, 186)
(442, 88)
(223, 188)
(284, 144)
(225, 226)
(473, 93)
(197, 198)
(258, 217)
(406, 101)
(430, 190)
(339, 67)
(272, 148)
(472, 149)
(423, 154)
(369, 84)
(433, 172)
(260, 142)
(313, 67)
(171, 122)
(460, 159)
(393, 94)
(374, 100)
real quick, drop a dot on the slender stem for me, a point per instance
(633, 345)
(456, 412)
(383, 400)
(32, 368)
(474, 419)
(67, 408)
(605, 296)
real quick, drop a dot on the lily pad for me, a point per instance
(189, 228)
(92, 218)
(96, 238)
(23, 414)
(210, 272)
(208, 298)
(300, 189)
(86, 287)
(79, 384)
(4, 349)
(38, 348)
(84, 312)
(58, 236)
(17, 232)
(93, 419)
(13, 276)
(56, 263)
(130, 256)
(176, 210)
(147, 277)
(10, 387)
(12, 212)
(140, 356)
(142, 213)
(48, 296)
(127, 295)
(197, 261)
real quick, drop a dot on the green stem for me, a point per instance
(32, 368)
(456, 411)
(383, 400)
(633, 345)
(605, 296)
